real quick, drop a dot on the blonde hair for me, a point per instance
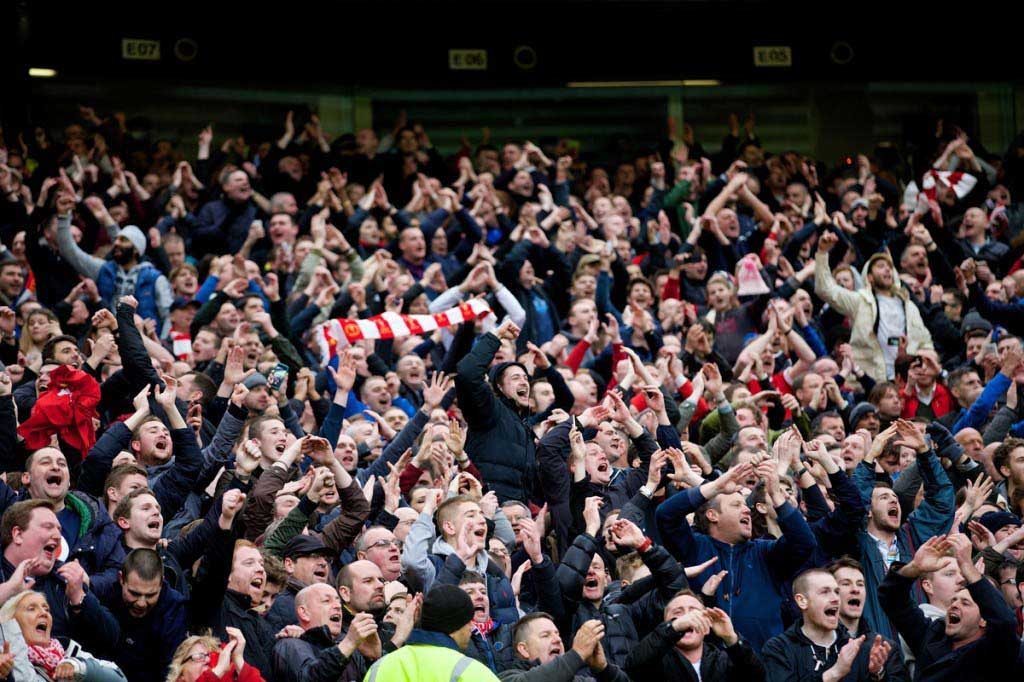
(178, 660)
(10, 606)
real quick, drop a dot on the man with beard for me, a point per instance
(678, 649)
(318, 654)
(500, 433)
(887, 538)
(306, 561)
(978, 638)
(124, 275)
(819, 641)
(880, 314)
(150, 615)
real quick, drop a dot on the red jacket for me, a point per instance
(246, 674)
(942, 402)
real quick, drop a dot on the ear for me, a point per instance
(522, 650)
(711, 515)
(122, 523)
(926, 585)
(1005, 471)
(360, 555)
(135, 445)
(344, 593)
(761, 508)
(25, 479)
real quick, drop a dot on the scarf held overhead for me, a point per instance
(336, 334)
(66, 408)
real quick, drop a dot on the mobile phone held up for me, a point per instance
(277, 376)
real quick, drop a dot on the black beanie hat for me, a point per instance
(446, 609)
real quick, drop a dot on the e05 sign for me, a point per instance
(773, 55)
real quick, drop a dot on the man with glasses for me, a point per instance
(379, 545)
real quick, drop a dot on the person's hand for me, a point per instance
(978, 491)
(468, 545)
(961, 548)
(597, 660)
(722, 626)
(165, 396)
(826, 241)
(531, 538)
(611, 328)
(592, 416)
(489, 504)
(289, 631)
(627, 534)
(540, 358)
(880, 650)
(21, 579)
(75, 580)
(732, 480)
(847, 655)
(455, 439)
(507, 331)
(910, 436)
(587, 637)
(517, 578)
(435, 390)
(6, 661)
(224, 660)
(617, 408)
(235, 635)
(231, 503)
(658, 460)
(929, 556)
(710, 586)
(1012, 360)
(345, 376)
(697, 621)
(247, 456)
(712, 378)
(65, 670)
(592, 515)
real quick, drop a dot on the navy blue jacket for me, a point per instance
(146, 645)
(752, 592)
(98, 544)
(171, 488)
(992, 657)
(222, 227)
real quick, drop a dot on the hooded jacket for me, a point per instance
(792, 657)
(861, 306)
(500, 436)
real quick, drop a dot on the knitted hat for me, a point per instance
(860, 411)
(998, 519)
(135, 236)
(446, 609)
(973, 321)
(499, 369)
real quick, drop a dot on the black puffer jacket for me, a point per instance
(656, 658)
(624, 624)
(794, 658)
(500, 438)
(313, 657)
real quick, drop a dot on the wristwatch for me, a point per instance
(646, 491)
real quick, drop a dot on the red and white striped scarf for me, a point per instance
(334, 335)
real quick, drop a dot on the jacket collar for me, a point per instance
(429, 638)
(318, 637)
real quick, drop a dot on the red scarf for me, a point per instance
(484, 628)
(67, 408)
(48, 657)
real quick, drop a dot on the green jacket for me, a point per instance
(428, 657)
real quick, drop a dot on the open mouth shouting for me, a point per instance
(50, 550)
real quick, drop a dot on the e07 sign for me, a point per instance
(467, 60)
(773, 55)
(138, 49)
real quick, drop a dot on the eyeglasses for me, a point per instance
(1011, 581)
(500, 551)
(199, 658)
(383, 544)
